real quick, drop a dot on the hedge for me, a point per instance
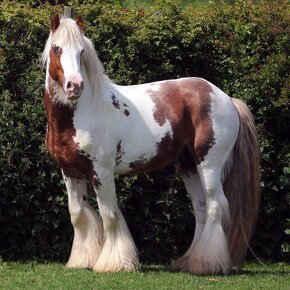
(243, 48)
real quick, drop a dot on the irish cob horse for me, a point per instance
(97, 129)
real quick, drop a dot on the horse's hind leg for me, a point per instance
(211, 254)
(88, 231)
(208, 253)
(195, 191)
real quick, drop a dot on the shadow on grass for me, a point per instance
(264, 270)
(154, 268)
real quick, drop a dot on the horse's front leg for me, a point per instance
(88, 230)
(119, 251)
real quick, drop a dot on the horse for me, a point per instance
(98, 129)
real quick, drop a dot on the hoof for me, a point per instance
(197, 266)
(116, 267)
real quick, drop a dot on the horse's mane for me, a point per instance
(69, 34)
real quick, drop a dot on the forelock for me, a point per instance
(67, 33)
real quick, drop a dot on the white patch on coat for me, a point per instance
(139, 132)
(225, 122)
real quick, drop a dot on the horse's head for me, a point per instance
(64, 54)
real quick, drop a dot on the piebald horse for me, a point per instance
(97, 129)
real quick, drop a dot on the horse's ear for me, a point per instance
(54, 22)
(80, 23)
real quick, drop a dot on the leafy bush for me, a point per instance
(244, 51)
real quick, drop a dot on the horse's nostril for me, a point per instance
(69, 85)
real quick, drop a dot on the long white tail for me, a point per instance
(242, 186)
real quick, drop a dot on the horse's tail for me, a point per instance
(242, 185)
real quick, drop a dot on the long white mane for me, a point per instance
(69, 34)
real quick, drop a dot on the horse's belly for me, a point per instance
(148, 155)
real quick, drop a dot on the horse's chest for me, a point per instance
(67, 154)
(60, 141)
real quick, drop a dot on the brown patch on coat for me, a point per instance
(126, 112)
(187, 101)
(119, 154)
(185, 163)
(186, 104)
(139, 165)
(55, 68)
(60, 143)
(168, 150)
(115, 102)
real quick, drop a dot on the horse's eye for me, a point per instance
(82, 52)
(56, 49)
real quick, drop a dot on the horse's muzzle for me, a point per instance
(74, 89)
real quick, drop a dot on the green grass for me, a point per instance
(34, 275)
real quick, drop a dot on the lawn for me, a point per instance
(34, 275)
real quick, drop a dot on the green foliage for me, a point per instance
(243, 48)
